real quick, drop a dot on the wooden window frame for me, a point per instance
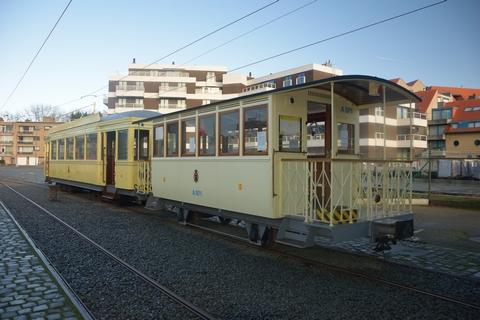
(219, 149)
(214, 115)
(155, 141)
(183, 152)
(264, 153)
(178, 139)
(75, 150)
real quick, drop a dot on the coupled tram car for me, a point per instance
(286, 162)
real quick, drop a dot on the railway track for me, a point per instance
(280, 253)
(198, 312)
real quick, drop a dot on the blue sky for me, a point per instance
(96, 39)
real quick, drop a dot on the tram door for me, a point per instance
(319, 140)
(110, 155)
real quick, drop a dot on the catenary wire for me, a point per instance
(182, 48)
(331, 37)
(35, 56)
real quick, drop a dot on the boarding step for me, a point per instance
(338, 215)
(109, 196)
(295, 233)
(110, 189)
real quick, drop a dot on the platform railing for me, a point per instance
(345, 191)
(144, 178)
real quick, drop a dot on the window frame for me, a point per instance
(215, 118)
(183, 151)
(51, 150)
(220, 153)
(63, 147)
(155, 148)
(72, 156)
(117, 145)
(76, 146)
(167, 154)
(263, 153)
(88, 148)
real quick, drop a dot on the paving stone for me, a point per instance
(27, 290)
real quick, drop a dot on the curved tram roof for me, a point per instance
(355, 88)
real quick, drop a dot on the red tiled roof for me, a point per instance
(426, 97)
(459, 113)
(456, 91)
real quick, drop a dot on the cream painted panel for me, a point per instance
(236, 184)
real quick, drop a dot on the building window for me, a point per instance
(402, 113)
(287, 81)
(454, 125)
(437, 145)
(436, 130)
(159, 142)
(172, 139)
(441, 114)
(61, 149)
(204, 102)
(189, 134)
(210, 77)
(477, 142)
(69, 147)
(163, 103)
(206, 135)
(456, 143)
(301, 79)
(53, 150)
(379, 135)
(379, 111)
(290, 134)
(79, 147)
(229, 133)
(255, 140)
(92, 146)
(346, 138)
(122, 142)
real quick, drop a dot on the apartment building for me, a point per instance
(166, 88)
(444, 107)
(396, 141)
(23, 142)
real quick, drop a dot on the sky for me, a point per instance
(97, 39)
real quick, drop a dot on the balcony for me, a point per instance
(129, 91)
(262, 87)
(25, 132)
(129, 105)
(25, 142)
(436, 136)
(419, 140)
(419, 119)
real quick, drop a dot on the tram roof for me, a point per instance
(355, 88)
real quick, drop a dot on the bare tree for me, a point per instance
(36, 112)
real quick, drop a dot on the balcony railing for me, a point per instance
(128, 105)
(26, 131)
(25, 142)
(403, 137)
(130, 88)
(171, 106)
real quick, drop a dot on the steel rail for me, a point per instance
(245, 242)
(338, 269)
(172, 295)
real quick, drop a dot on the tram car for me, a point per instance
(103, 153)
(286, 162)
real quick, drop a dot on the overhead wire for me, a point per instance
(186, 46)
(35, 56)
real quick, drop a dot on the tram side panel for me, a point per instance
(241, 185)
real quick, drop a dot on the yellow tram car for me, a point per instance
(104, 153)
(286, 160)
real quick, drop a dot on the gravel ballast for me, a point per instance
(228, 280)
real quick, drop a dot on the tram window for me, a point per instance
(92, 146)
(69, 144)
(61, 149)
(206, 134)
(316, 138)
(159, 142)
(122, 145)
(255, 131)
(229, 133)
(346, 138)
(53, 150)
(189, 135)
(290, 134)
(79, 147)
(172, 139)
(142, 141)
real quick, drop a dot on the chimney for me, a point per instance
(133, 60)
(249, 74)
